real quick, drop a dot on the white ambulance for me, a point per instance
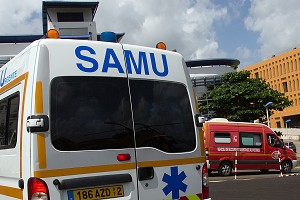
(90, 120)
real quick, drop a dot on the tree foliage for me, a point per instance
(241, 98)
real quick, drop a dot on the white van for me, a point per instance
(87, 120)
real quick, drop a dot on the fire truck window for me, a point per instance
(250, 139)
(272, 140)
(222, 137)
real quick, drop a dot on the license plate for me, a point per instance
(97, 193)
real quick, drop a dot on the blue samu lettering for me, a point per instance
(111, 61)
(2, 77)
(78, 53)
(5, 79)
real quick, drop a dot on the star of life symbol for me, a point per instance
(174, 182)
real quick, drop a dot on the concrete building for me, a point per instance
(282, 73)
(206, 75)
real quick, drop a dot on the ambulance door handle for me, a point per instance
(145, 173)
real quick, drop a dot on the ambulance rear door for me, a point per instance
(169, 159)
(88, 152)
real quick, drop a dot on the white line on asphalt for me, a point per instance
(219, 181)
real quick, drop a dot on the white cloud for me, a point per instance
(246, 56)
(182, 27)
(20, 17)
(243, 52)
(276, 21)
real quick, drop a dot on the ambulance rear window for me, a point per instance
(94, 113)
(90, 113)
(162, 116)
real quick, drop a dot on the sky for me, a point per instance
(248, 30)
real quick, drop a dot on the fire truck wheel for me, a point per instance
(225, 169)
(286, 167)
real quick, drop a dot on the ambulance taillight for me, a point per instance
(205, 189)
(37, 189)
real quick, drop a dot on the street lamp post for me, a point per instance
(267, 111)
(286, 126)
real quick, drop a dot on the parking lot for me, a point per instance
(252, 184)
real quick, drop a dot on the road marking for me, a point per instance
(219, 181)
(285, 175)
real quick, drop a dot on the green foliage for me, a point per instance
(279, 133)
(241, 98)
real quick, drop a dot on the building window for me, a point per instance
(280, 69)
(278, 125)
(285, 86)
(294, 85)
(256, 75)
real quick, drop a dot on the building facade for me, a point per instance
(282, 73)
(206, 75)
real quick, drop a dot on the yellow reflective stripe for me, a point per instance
(11, 192)
(5, 88)
(199, 130)
(162, 163)
(41, 146)
(83, 170)
(24, 77)
(13, 83)
(39, 109)
(39, 98)
(193, 197)
(40, 137)
(190, 197)
(116, 167)
(201, 138)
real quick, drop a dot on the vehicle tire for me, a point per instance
(264, 171)
(286, 167)
(225, 169)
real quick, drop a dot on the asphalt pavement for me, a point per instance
(276, 188)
